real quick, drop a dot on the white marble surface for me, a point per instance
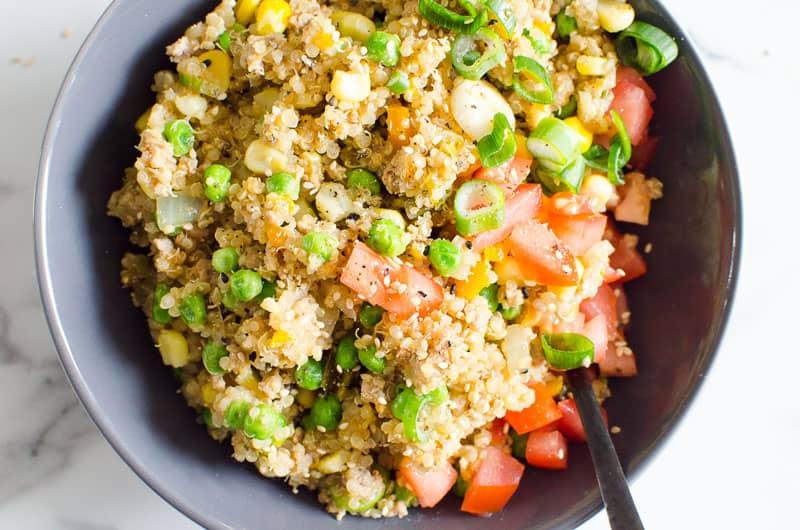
(733, 462)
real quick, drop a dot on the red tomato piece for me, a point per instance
(498, 430)
(522, 206)
(542, 257)
(596, 330)
(365, 273)
(626, 73)
(635, 204)
(643, 154)
(429, 485)
(509, 175)
(496, 480)
(570, 423)
(625, 255)
(578, 232)
(631, 102)
(615, 365)
(543, 411)
(603, 303)
(547, 450)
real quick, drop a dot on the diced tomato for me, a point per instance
(547, 450)
(626, 73)
(543, 257)
(622, 302)
(542, 412)
(643, 154)
(595, 329)
(496, 480)
(634, 108)
(429, 485)
(635, 204)
(570, 326)
(625, 255)
(498, 431)
(615, 365)
(509, 175)
(366, 271)
(570, 423)
(520, 207)
(603, 303)
(578, 232)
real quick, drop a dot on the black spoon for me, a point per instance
(621, 510)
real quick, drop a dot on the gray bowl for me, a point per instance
(680, 306)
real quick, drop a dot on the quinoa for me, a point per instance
(277, 110)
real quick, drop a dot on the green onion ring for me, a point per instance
(439, 15)
(479, 206)
(526, 65)
(567, 351)
(494, 54)
(645, 47)
(554, 144)
(499, 146)
(502, 10)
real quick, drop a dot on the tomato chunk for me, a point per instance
(625, 255)
(522, 206)
(635, 204)
(429, 485)
(626, 73)
(603, 303)
(543, 257)
(596, 331)
(618, 364)
(509, 175)
(631, 102)
(498, 430)
(496, 480)
(366, 271)
(570, 424)
(547, 450)
(578, 232)
(643, 153)
(543, 411)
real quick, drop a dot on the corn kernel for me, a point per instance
(245, 9)
(353, 25)
(391, 215)
(398, 124)
(590, 65)
(555, 385)
(334, 463)
(614, 16)
(219, 68)
(173, 347)
(322, 40)
(141, 121)
(264, 100)
(546, 26)
(536, 113)
(522, 147)
(208, 393)
(350, 86)
(508, 270)
(477, 281)
(262, 158)
(599, 190)
(586, 136)
(248, 380)
(272, 16)
(279, 339)
(493, 253)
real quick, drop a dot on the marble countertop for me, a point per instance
(733, 462)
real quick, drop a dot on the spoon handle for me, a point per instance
(621, 510)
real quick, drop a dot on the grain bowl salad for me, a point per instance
(374, 234)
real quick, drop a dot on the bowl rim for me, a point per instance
(184, 506)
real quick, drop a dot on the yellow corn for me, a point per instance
(391, 215)
(508, 270)
(614, 16)
(493, 253)
(262, 158)
(264, 100)
(478, 280)
(398, 124)
(306, 398)
(219, 68)
(350, 86)
(547, 26)
(141, 121)
(334, 463)
(599, 189)
(209, 394)
(248, 380)
(555, 385)
(522, 147)
(245, 9)
(279, 339)
(536, 113)
(353, 25)
(322, 40)
(590, 65)
(272, 16)
(173, 347)
(586, 135)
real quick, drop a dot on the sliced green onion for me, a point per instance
(212, 353)
(503, 11)
(479, 206)
(225, 259)
(565, 24)
(284, 183)
(569, 109)
(499, 146)
(490, 294)
(398, 82)
(445, 256)
(383, 48)
(622, 134)
(216, 182)
(181, 135)
(510, 312)
(619, 152)
(369, 315)
(343, 499)
(494, 53)
(160, 315)
(386, 238)
(407, 405)
(542, 90)
(268, 290)
(567, 351)
(404, 495)
(438, 396)
(597, 157)
(554, 144)
(645, 47)
(174, 212)
(460, 487)
(568, 179)
(224, 41)
(439, 15)
(364, 179)
(541, 43)
(320, 244)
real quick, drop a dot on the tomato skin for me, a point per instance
(578, 232)
(366, 270)
(625, 255)
(626, 73)
(543, 257)
(497, 478)
(547, 450)
(507, 176)
(595, 330)
(542, 412)
(570, 424)
(430, 486)
(523, 205)
(631, 102)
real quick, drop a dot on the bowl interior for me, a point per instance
(679, 307)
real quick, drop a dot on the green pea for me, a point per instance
(326, 412)
(217, 182)
(369, 315)
(346, 355)
(490, 294)
(236, 413)
(284, 183)
(383, 47)
(320, 244)
(160, 315)
(268, 290)
(229, 300)
(511, 313)
(262, 422)
(445, 256)
(246, 284)
(398, 82)
(225, 260)
(212, 353)
(309, 375)
(565, 24)
(193, 309)
(386, 238)
(181, 135)
(370, 361)
(361, 178)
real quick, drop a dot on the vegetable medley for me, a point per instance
(374, 235)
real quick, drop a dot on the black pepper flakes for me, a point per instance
(223, 277)
(453, 289)
(427, 250)
(226, 341)
(468, 244)
(353, 217)
(253, 356)
(423, 294)
(525, 293)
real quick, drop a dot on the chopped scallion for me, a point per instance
(499, 146)
(645, 47)
(479, 206)
(494, 53)
(567, 351)
(531, 81)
